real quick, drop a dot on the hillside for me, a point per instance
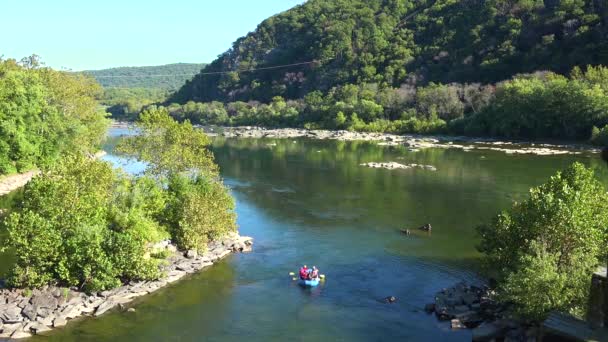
(392, 42)
(166, 77)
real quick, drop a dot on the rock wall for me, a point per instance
(23, 313)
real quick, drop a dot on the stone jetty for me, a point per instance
(24, 312)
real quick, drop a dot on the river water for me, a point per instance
(307, 201)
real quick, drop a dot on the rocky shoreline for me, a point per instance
(24, 313)
(11, 183)
(473, 307)
(415, 142)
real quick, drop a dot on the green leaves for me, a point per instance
(82, 224)
(43, 114)
(168, 146)
(545, 248)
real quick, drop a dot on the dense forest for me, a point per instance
(395, 42)
(127, 90)
(166, 77)
(513, 68)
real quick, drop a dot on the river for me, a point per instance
(307, 201)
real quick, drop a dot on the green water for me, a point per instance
(310, 202)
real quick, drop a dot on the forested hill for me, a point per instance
(391, 42)
(166, 77)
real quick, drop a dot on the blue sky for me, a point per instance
(83, 34)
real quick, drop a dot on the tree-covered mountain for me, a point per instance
(166, 77)
(392, 42)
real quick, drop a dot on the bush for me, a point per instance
(82, 224)
(599, 137)
(544, 246)
(199, 207)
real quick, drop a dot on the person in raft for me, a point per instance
(314, 274)
(304, 272)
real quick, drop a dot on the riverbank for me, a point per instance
(413, 142)
(24, 313)
(11, 183)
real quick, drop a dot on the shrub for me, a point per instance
(545, 245)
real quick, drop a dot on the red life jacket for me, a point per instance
(303, 273)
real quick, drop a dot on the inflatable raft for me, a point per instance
(309, 283)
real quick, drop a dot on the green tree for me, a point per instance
(545, 247)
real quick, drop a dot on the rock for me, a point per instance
(59, 322)
(20, 334)
(10, 314)
(486, 332)
(390, 299)
(45, 301)
(38, 328)
(106, 306)
(191, 254)
(131, 310)
(30, 311)
(9, 329)
(406, 231)
(48, 321)
(105, 294)
(427, 227)
(457, 324)
(429, 308)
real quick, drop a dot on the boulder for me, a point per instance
(457, 324)
(30, 311)
(9, 329)
(48, 321)
(191, 254)
(106, 306)
(10, 314)
(59, 322)
(487, 332)
(20, 334)
(39, 328)
(45, 301)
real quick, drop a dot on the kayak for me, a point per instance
(309, 283)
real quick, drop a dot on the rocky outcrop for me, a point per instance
(471, 307)
(23, 313)
(397, 166)
(11, 183)
(414, 142)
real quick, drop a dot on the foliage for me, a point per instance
(395, 42)
(199, 207)
(547, 106)
(549, 243)
(199, 211)
(172, 76)
(44, 114)
(168, 146)
(599, 136)
(82, 224)
(126, 103)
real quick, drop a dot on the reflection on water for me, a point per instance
(310, 202)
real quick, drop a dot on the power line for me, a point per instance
(222, 72)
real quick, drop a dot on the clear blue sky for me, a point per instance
(84, 34)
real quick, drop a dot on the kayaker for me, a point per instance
(303, 272)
